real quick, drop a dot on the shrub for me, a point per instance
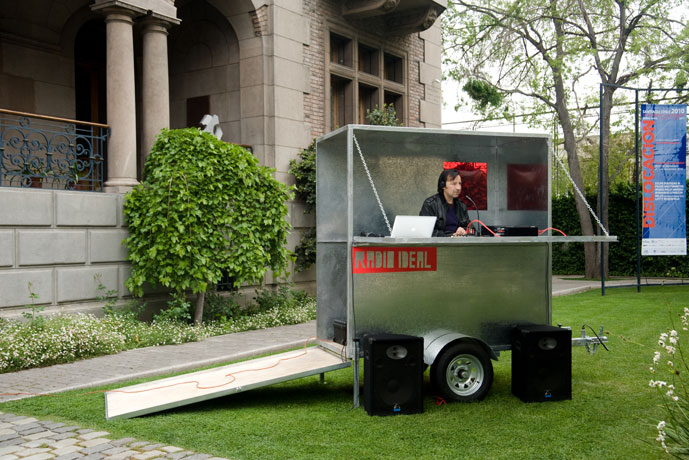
(672, 384)
(204, 207)
(67, 338)
(385, 116)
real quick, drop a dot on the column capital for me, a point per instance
(116, 7)
(151, 23)
(160, 9)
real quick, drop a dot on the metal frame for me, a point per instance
(404, 167)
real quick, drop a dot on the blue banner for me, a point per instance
(663, 179)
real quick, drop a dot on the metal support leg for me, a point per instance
(356, 374)
(322, 379)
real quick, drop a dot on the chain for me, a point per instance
(370, 181)
(581, 195)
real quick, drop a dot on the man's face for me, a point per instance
(453, 187)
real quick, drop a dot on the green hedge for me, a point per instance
(568, 258)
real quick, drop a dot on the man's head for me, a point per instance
(450, 184)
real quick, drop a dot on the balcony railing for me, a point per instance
(51, 153)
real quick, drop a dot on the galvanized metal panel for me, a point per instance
(479, 290)
(331, 188)
(331, 290)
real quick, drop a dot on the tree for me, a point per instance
(540, 53)
(204, 207)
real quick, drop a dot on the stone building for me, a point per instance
(86, 85)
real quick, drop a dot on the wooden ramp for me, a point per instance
(186, 389)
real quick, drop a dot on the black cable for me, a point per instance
(478, 217)
(594, 333)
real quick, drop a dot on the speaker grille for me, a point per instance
(541, 363)
(393, 374)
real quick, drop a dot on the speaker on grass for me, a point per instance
(541, 363)
(393, 374)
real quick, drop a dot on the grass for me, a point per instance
(612, 415)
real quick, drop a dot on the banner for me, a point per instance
(663, 179)
(374, 259)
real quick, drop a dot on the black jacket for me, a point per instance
(436, 206)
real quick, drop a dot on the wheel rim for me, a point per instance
(464, 375)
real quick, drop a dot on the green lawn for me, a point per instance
(612, 415)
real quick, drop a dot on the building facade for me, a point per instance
(86, 85)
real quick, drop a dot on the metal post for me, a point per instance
(600, 190)
(355, 365)
(637, 196)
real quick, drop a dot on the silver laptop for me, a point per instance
(413, 227)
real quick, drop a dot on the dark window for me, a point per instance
(368, 100)
(340, 50)
(340, 102)
(396, 100)
(368, 60)
(197, 107)
(393, 68)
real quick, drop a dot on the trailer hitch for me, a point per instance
(591, 343)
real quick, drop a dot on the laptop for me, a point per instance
(413, 227)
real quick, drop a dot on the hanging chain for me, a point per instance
(581, 195)
(370, 181)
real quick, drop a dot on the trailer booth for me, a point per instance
(456, 300)
(463, 295)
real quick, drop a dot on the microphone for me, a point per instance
(478, 217)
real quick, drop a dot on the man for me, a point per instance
(451, 214)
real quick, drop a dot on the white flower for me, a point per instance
(670, 349)
(661, 425)
(670, 363)
(673, 333)
(656, 357)
(673, 340)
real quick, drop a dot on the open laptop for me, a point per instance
(413, 227)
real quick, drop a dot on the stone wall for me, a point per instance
(59, 241)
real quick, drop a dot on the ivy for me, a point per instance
(204, 207)
(304, 170)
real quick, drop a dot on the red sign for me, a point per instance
(378, 259)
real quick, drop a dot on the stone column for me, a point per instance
(121, 100)
(155, 82)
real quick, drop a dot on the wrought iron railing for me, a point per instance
(50, 152)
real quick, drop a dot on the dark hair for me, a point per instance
(448, 174)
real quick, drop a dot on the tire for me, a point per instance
(462, 373)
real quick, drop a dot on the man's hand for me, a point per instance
(460, 232)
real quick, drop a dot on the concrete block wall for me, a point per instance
(59, 241)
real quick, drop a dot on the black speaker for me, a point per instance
(541, 363)
(393, 374)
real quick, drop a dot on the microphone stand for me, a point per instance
(478, 217)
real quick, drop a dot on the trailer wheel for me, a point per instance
(463, 373)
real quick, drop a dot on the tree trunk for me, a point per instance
(604, 186)
(198, 311)
(575, 172)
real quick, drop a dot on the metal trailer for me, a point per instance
(462, 295)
